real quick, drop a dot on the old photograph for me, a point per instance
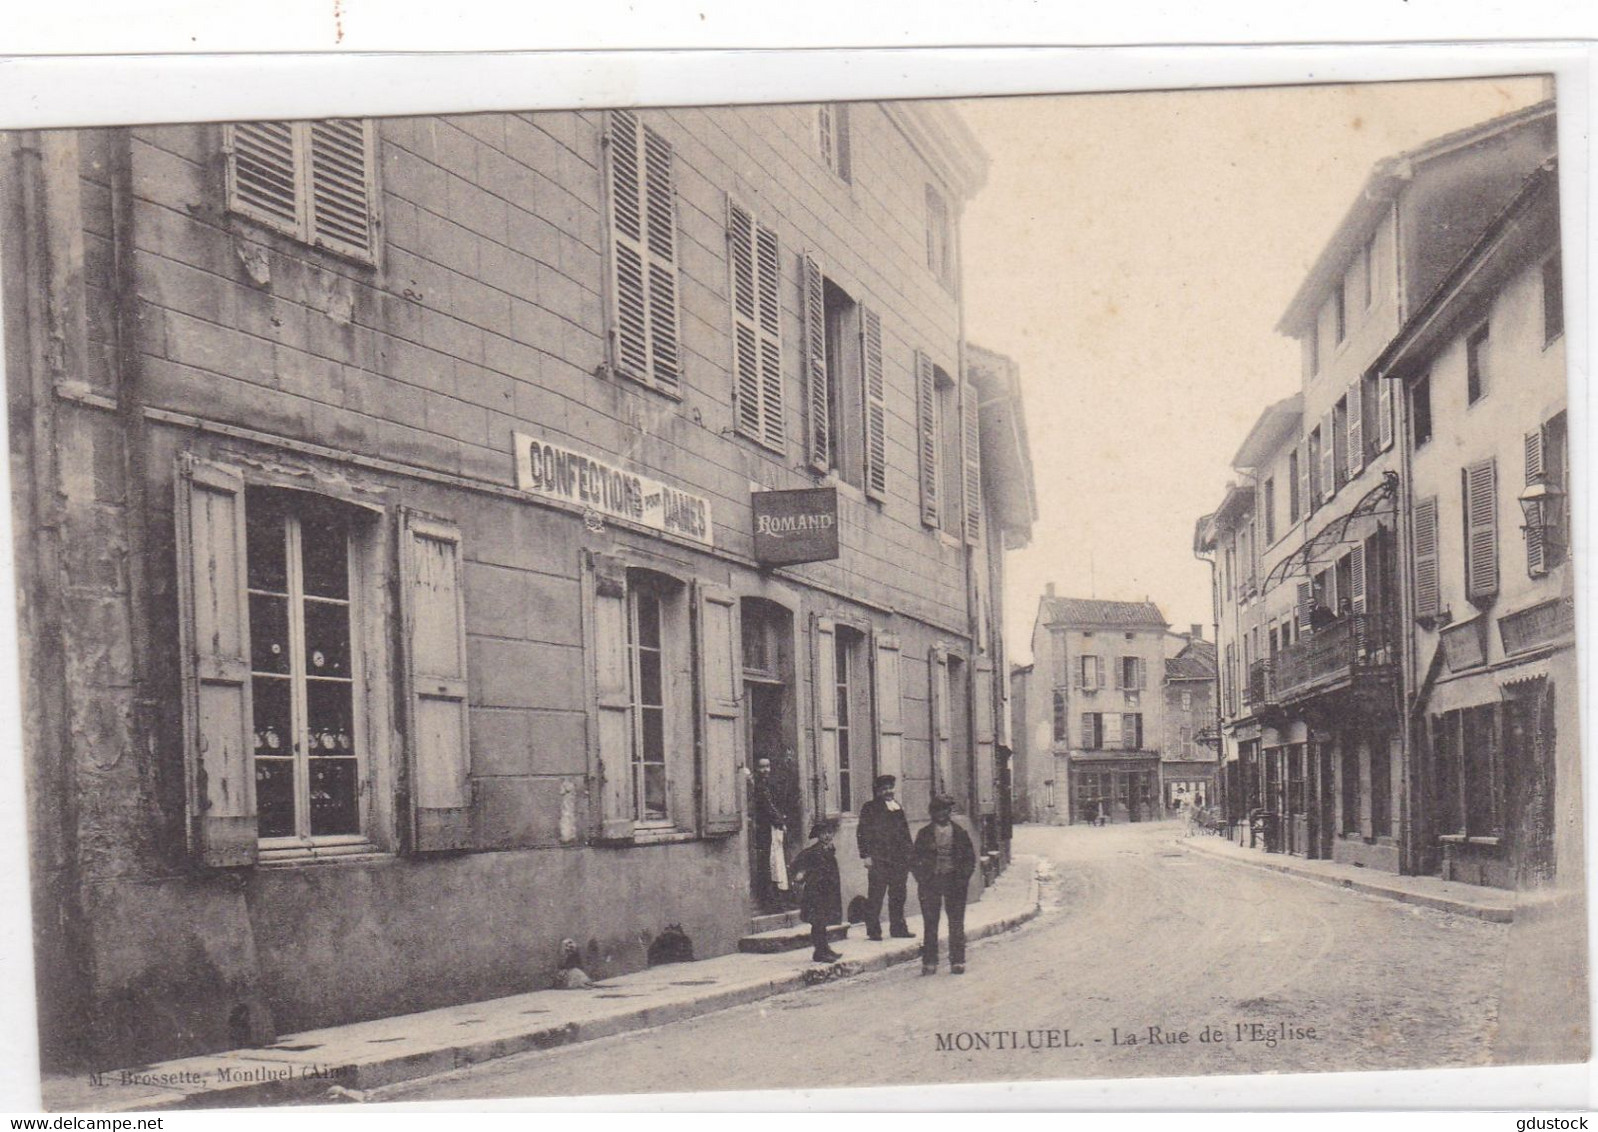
(788, 596)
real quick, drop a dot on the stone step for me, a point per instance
(773, 921)
(788, 939)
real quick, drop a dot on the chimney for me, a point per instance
(1049, 589)
(1197, 632)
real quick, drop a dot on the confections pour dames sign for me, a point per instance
(795, 526)
(559, 473)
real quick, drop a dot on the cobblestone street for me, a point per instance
(1139, 944)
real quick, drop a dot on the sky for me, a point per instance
(1133, 253)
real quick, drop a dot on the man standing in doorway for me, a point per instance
(883, 836)
(943, 862)
(768, 850)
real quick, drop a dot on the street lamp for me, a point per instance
(1543, 505)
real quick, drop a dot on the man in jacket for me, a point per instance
(883, 836)
(815, 871)
(943, 862)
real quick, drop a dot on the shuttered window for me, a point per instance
(876, 405)
(752, 254)
(314, 181)
(818, 400)
(1546, 544)
(1553, 299)
(832, 134)
(1428, 590)
(889, 703)
(643, 247)
(1480, 489)
(927, 437)
(971, 442)
(1356, 428)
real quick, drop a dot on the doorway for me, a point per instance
(771, 740)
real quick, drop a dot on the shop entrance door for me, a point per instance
(770, 737)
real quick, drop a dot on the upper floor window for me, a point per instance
(1479, 488)
(1312, 350)
(752, 253)
(314, 181)
(1269, 504)
(1129, 675)
(643, 253)
(1295, 501)
(940, 238)
(1420, 409)
(1476, 365)
(1339, 313)
(1091, 679)
(845, 396)
(949, 455)
(832, 134)
(1553, 299)
(1367, 262)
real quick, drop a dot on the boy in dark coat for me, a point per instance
(821, 890)
(943, 862)
(885, 846)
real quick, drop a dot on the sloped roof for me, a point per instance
(1092, 611)
(1195, 662)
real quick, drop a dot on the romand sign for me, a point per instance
(559, 473)
(795, 526)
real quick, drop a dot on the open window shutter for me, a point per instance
(1328, 468)
(1356, 576)
(1428, 593)
(1536, 559)
(1130, 726)
(263, 179)
(218, 725)
(434, 630)
(745, 330)
(630, 305)
(1087, 730)
(721, 734)
(1306, 502)
(972, 444)
(341, 184)
(876, 405)
(1356, 427)
(938, 698)
(605, 592)
(824, 686)
(1120, 673)
(1306, 606)
(1081, 675)
(818, 408)
(987, 786)
(1384, 414)
(927, 429)
(767, 275)
(1481, 529)
(890, 707)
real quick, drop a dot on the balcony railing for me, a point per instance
(1340, 649)
(1259, 690)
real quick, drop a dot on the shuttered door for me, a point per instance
(720, 732)
(643, 253)
(927, 435)
(1428, 593)
(818, 406)
(1536, 558)
(971, 441)
(876, 405)
(1481, 529)
(824, 687)
(218, 735)
(986, 772)
(610, 742)
(890, 706)
(433, 620)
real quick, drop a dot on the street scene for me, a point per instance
(797, 596)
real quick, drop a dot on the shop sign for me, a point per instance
(553, 472)
(795, 526)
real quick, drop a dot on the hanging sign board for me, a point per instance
(795, 526)
(559, 473)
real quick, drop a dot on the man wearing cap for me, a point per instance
(820, 891)
(943, 862)
(883, 836)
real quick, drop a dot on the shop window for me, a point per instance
(1468, 772)
(313, 181)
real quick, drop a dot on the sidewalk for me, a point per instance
(1493, 904)
(302, 1068)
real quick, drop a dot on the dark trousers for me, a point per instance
(937, 894)
(891, 883)
(818, 941)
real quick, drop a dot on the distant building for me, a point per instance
(1188, 757)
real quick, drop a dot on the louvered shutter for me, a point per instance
(611, 740)
(1481, 529)
(752, 256)
(938, 698)
(643, 253)
(876, 404)
(432, 611)
(818, 407)
(1356, 579)
(1328, 463)
(214, 609)
(987, 786)
(263, 174)
(1306, 501)
(721, 758)
(1129, 739)
(841, 131)
(1428, 591)
(1536, 558)
(1356, 427)
(927, 429)
(1087, 731)
(768, 271)
(341, 183)
(1384, 414)
(1306, 606)
(890, 706)
(971, 442)
(824, 687)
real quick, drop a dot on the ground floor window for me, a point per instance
(1468, 772)
(1348, 776)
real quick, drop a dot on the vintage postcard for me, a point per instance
(796, 595)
